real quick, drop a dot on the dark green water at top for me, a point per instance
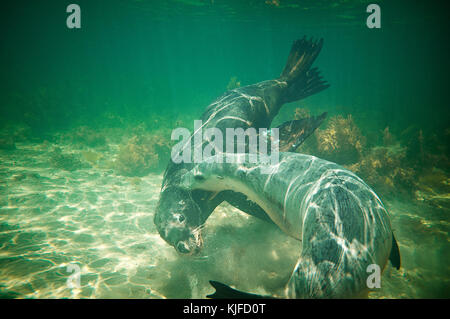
(138, 57)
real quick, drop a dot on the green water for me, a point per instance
(79, 108)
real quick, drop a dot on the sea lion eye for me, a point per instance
(181, 218)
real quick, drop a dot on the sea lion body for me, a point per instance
(180, 213)
(341, 222)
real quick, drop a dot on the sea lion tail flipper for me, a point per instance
(293, 133)
(394, 257)
(226, 292)
(301, 80)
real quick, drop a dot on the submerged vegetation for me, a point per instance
(411, 164)
(133, 150)
(233, 83)
(143, 154)
(341, 141)
(87, 136)
(385, 168)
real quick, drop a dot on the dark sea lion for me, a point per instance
(180, 213)
(341, 222)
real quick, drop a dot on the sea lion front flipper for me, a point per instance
(394, 257)
(293, 133)
(226, 292)
(241, 202)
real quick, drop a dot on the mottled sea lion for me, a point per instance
(180, 212)
(341, 222)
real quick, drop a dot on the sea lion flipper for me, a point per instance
(302, 80)
(293, 133)
(394, 257)
(241, 202)
(226, 292)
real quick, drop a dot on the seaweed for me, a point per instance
(88, 136)
(142, 154)
(414, 165)
(341, 142)
(233, 83)
(382, 168)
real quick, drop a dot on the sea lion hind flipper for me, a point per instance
(394, 257)
(300, 79)
(293, 133)
(302, 55)
(226, 292)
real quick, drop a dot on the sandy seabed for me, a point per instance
(103, 223)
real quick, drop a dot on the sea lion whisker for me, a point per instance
(198, 228)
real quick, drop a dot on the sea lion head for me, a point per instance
(178, 220)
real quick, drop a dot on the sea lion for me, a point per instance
(341, 222)
(180, 213)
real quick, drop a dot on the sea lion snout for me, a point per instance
(182, 247)
(192, 246)
(177, 220)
